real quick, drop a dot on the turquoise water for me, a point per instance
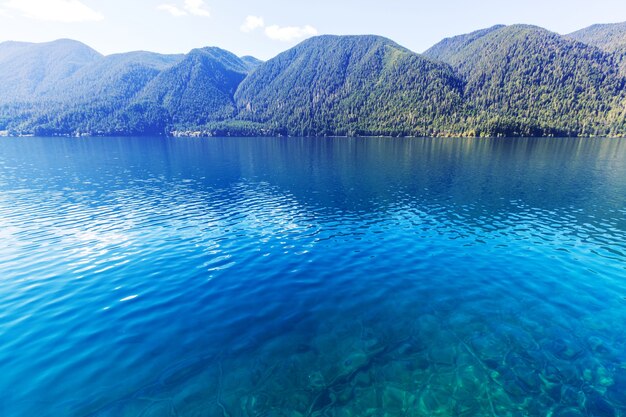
(312, 277)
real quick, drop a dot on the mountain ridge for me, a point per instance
(526, 80)
(349, 85)
(516, 80)
(610, 37)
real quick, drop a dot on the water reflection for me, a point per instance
(312, 277)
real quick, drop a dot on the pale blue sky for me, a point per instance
(272, 26)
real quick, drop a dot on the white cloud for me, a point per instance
(66, 11)
(194, 7)
(251, 23)
(289, 33)
(197, 8)
(171, 9)
(275, 32)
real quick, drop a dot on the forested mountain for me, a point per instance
(525, 80)
(351, 85)
(199, 89)
(131, 93)
(504, 80)
(251, 62)
(28, 70)
(608, 37)
(451, 50)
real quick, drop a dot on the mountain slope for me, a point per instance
(198, 89)
(608, 37)
(505, 80)
(131, 93)
(251, 62)
(347, 85)
(450, 49)
(95, 97)
(114, 77)
(90, 98)
(30, 69)
(524, 80)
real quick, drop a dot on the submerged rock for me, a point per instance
(567, 412)
(316, 380)
(565, 349)
(598, 406)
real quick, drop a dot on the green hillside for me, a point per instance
(515, 80)
(199, 89)
(608, 37)
(131, 93)
(351, 85)
(525, 80)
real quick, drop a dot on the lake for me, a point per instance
(312, 277)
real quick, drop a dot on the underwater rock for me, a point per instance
(468, 382)
(442, 354)
(603, 378)
(323, 400)
(551, 374)
(251, 405)
(344, 396)
(465, 359)
(567, 350)
(467, 407)
(366, 399)
(161, 408)
(394, 400)
(362, 380)
(510, 383)
(502, 403)
(306, 348)
(528, 379)
(413, 346)
(598, 406)
(597, 345)
(436, 402)
(316, 380)
(443, 378)
(550, 384)
(180, 373)
(296, 400)
(489, 346)
(354, 361)
(616, 393)
(569, 396)
(567, 412)
(428, 327)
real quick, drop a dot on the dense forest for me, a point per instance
(525, 80)
(351, 85)
(514, 80)
(610, 38)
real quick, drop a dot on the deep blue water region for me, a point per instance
(267, 277)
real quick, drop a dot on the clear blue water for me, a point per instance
(312, 277)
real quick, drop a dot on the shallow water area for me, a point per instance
(312, 277)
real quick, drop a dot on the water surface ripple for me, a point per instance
(269, 277)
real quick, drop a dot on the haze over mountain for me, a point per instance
(505, 80)
(28, 70)
(608, 37)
